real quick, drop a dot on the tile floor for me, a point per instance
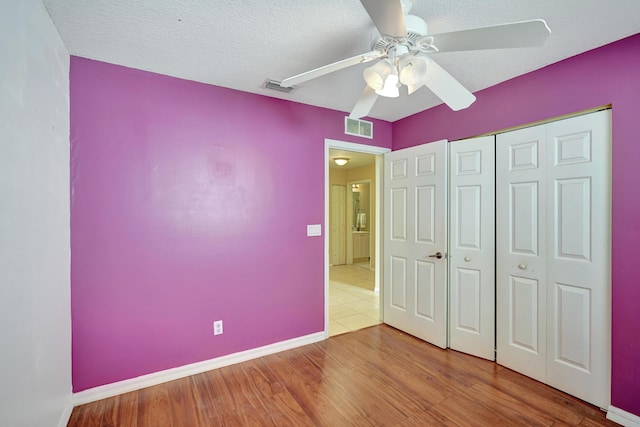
(352, 302)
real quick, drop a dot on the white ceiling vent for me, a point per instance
(357, 127)
(275, 85)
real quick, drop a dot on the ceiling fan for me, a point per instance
(403, 53)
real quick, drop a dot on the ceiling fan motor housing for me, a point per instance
(415, 25)
(416, 29)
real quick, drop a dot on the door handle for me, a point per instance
(436, 255)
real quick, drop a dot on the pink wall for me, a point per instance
(190, 204)
(608, 75)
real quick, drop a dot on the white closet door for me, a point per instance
(472, 246)
(578, 248)
(338, 225)
(521, 251)
(415, 213)
(553, 252)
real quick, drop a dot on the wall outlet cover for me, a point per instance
(217, 327)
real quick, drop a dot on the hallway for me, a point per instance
(353, 304)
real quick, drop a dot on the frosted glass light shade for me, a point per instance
(415, 72)
(376, 75)
(390, 88)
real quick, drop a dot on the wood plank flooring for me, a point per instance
(377, 376)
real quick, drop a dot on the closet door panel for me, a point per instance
(523, 314)
(521, 251)
(523, 218)
(579, 258)
(472, 243)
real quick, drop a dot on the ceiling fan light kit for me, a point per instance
(390, 88)
(382, 77)
(377, 74)
(403, 48)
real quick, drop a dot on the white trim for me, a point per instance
(66, 413)
(622, 417)
(379, 228)
(351, 146)
(360, 148)
(114, 389)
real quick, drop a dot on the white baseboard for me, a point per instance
(66, 414)
(114, 389)
(622, 417)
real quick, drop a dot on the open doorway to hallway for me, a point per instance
(353, 302)
(353, 297)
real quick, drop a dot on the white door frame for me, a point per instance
(359, 148)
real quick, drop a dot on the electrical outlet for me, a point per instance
(217, 327)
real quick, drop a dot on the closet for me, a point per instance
(518, 270)
(553, 254)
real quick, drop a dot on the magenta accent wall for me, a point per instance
(607, 75)
(190, 204)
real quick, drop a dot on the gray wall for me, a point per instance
(35, 315)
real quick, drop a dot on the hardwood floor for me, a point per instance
(376, 376)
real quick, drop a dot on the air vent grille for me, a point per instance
(275, 85)
(357, 127)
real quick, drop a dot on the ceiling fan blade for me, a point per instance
(336, 66)
(365, 103)
(387, 16)
(447, 88)
(516, 34)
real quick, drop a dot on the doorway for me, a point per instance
(352, 203)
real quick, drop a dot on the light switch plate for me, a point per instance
(314, 230)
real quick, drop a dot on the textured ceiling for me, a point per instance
(239, 44)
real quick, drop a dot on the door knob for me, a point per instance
(522, 266)
(436, 255)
